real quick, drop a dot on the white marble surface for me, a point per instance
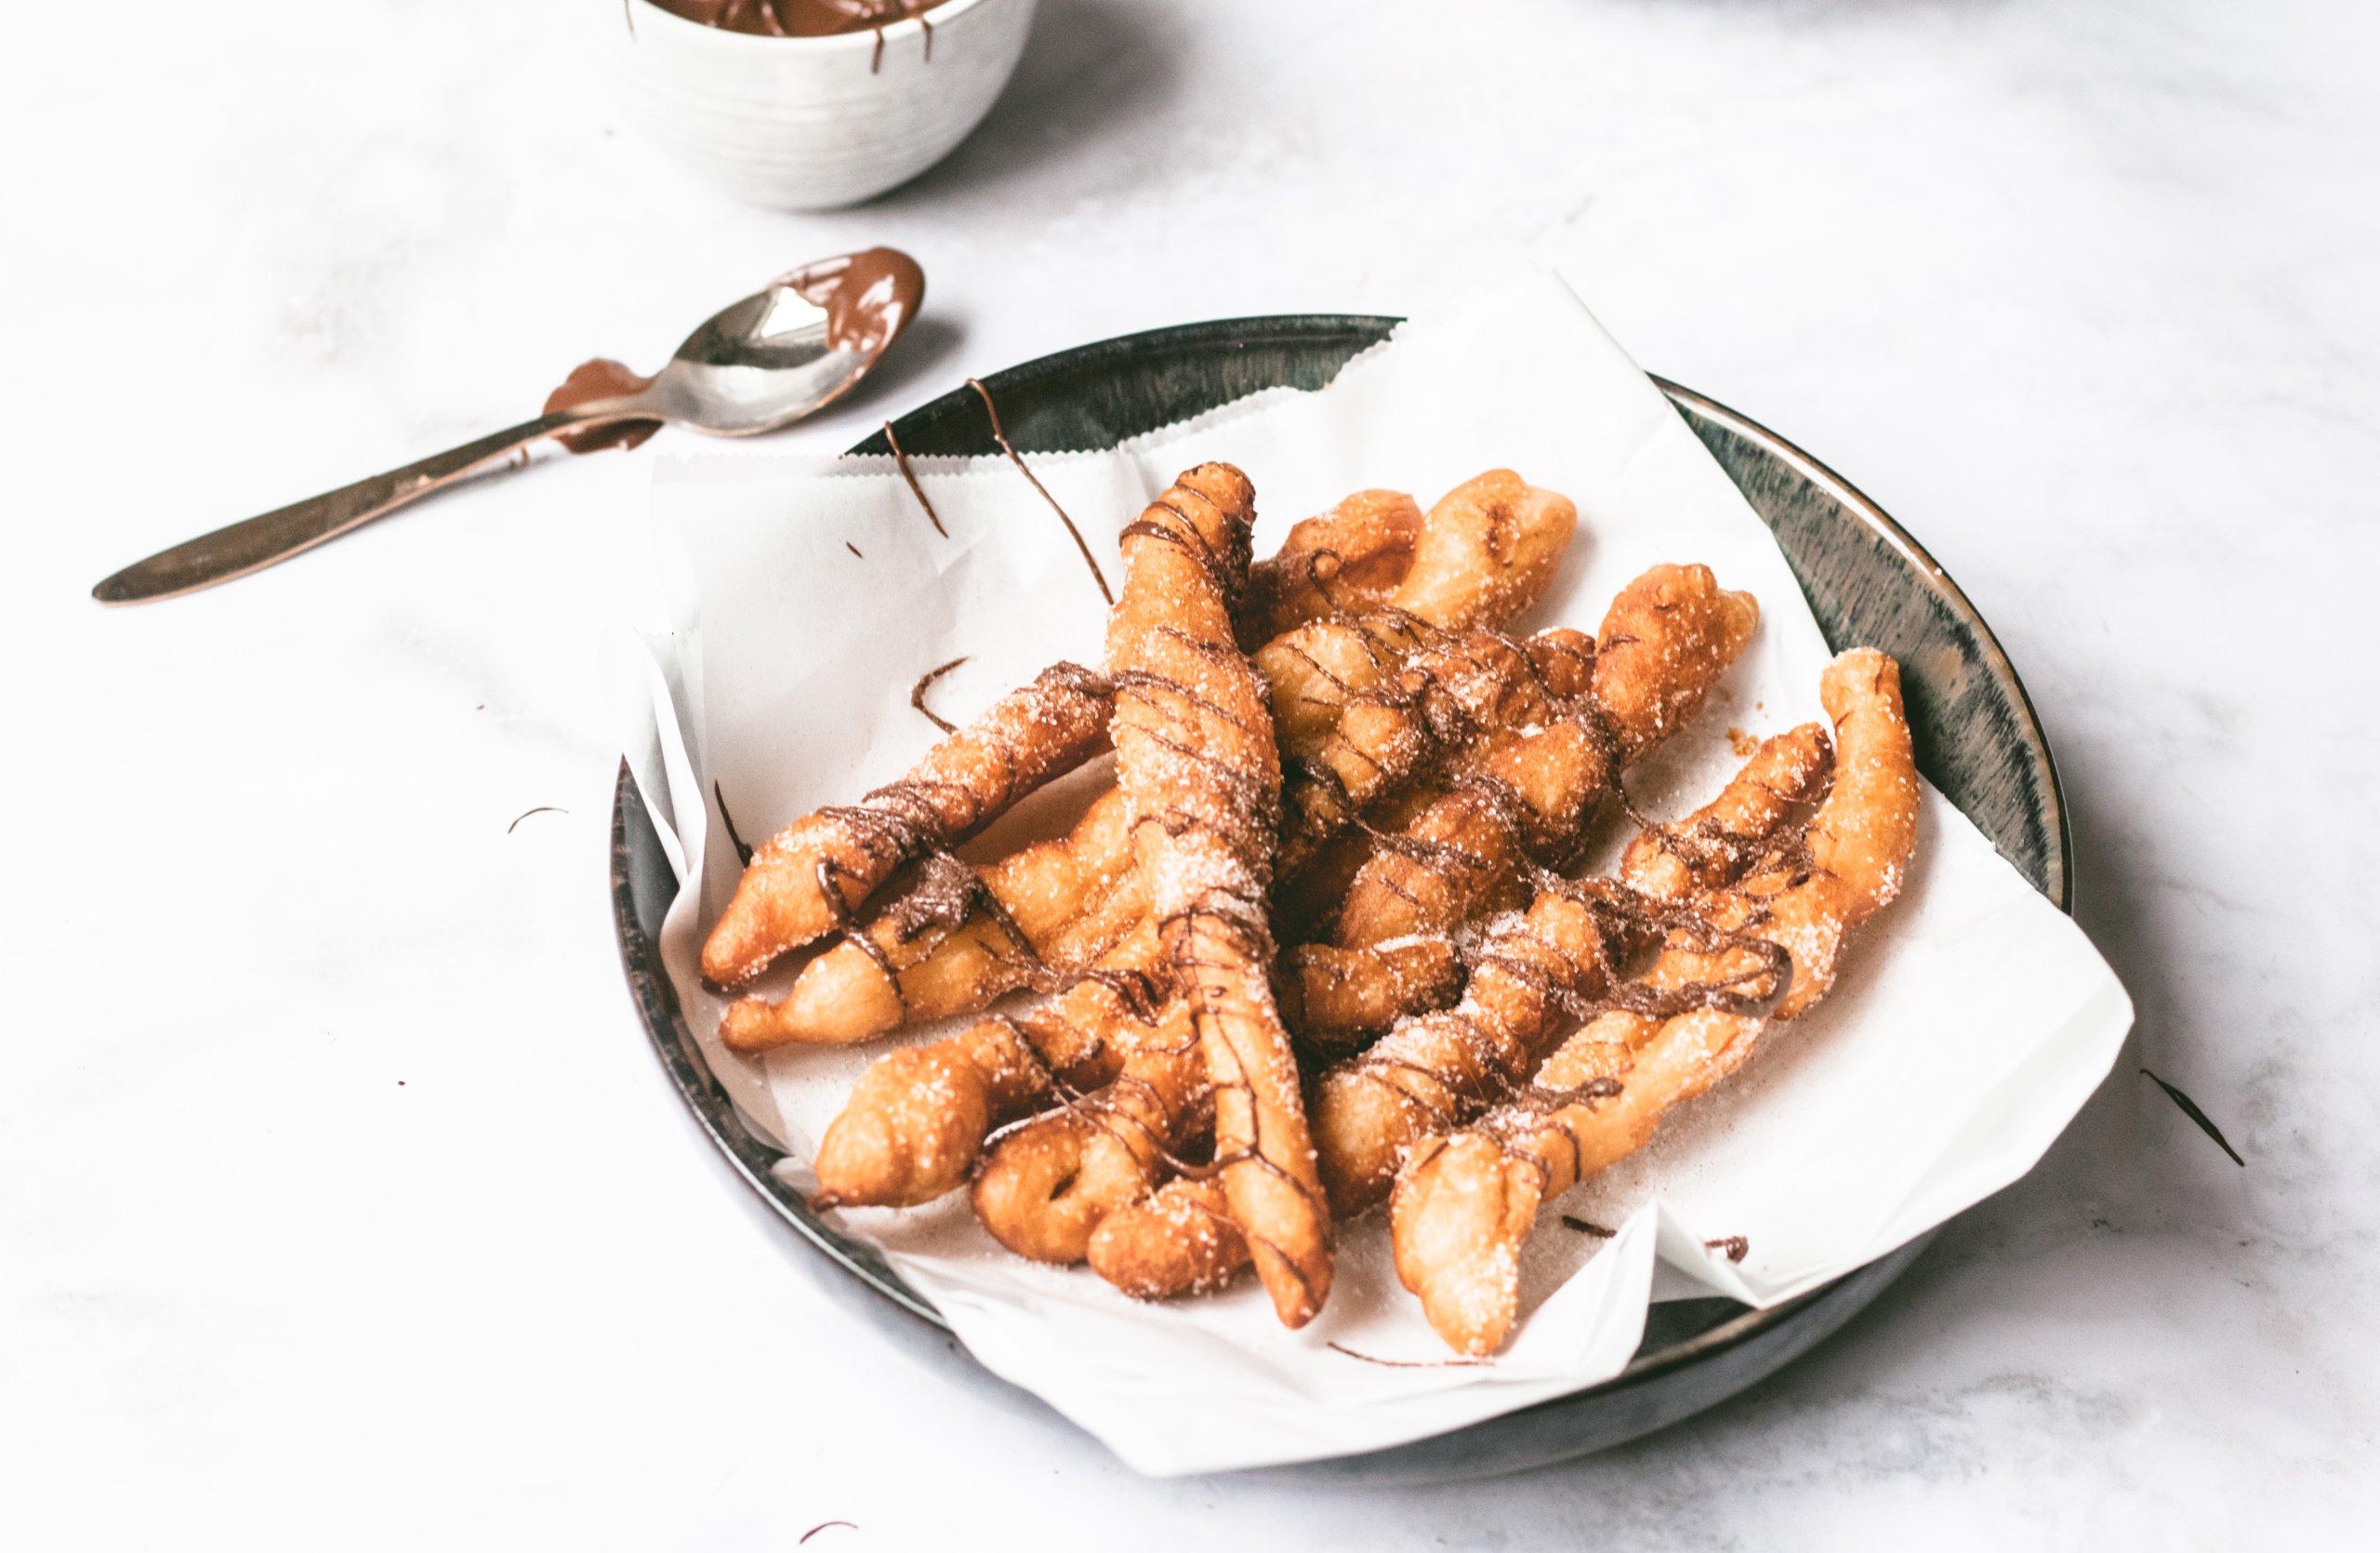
(341, 1202)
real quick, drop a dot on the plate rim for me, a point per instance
(751, 1156)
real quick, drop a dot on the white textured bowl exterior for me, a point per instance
(802, 123)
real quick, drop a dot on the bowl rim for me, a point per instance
(939, 15)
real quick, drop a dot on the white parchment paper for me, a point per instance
(1971, 1021)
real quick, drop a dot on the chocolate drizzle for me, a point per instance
(743, 852)
(901, 461)
(903, 820)
(1412, 1363)
(1441, 686)
(925, 682)
(1578, 981)
(1000, 436)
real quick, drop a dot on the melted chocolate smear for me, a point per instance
(2206, 1124)
(854, 550)
(1588, 1226)
(901, 460)
(924, 682)
(591, 380)
(868, 297)
(1735, 1248)
(743, 853)
(799, 19)
(1000, 436)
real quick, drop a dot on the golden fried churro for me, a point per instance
(1181, 1239)
(1432, 1071)
(1336, 999)
(959, 938)
(1526, 797)
(1045, 1186)
(1435, 1072)
(1444, 697)
(916, 1121)
(806, 880)
(1195, 760)
(1345, 562)
(1714, 846)
(1463, 1204)
(1664, 644)
(949, 946)
(1487, 553)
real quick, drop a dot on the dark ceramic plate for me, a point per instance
(1870, 583)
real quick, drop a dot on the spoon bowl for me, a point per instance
(797, 344)
(761, 362)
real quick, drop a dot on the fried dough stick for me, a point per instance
(946, 948)
(805, 880)
(1463, 1204)
(1045, 1186)
(1665, 641)
(1357, 553)
(916, 1121)
(1360, 702)
(961, 937)
(1180, 1239)
(1486, 551)
(1343, 562)
(1195, 760)
(1435, 1072)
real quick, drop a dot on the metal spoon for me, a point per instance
(762, 363)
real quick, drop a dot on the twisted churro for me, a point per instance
(1195, 762)
(1526, 798)
(806, 880)
(1180, 1239)
(916, 1121)
(1045, 1186)
(957, 939)
(1764, 949)
(1523, 797)
(1433, 1073)
(1343, 562)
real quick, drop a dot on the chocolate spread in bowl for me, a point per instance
(798, 19)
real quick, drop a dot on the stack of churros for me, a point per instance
(1323, 946)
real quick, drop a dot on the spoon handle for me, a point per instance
(259, 542)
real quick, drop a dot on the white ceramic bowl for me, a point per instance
(806, 124)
